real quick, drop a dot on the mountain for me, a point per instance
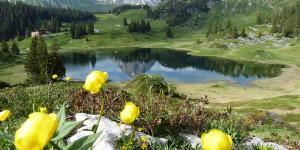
(85, 5)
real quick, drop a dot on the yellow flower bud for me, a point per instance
(36, 132)
(144, 146)
(43, 110)
(54, 76)
(94, 81)
(4, 115)
(68, 79)
(129, 113)
(140, 129)
(216, 140)
(143, 138)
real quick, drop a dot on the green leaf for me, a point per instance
(65, 130)
(7, 136)
(60, 143)
(83, 143)
(61, 116)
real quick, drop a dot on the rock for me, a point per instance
(161, 141)
(258, 141)
(194, 140)
(110, 132)
(253, 141)
(275, 146)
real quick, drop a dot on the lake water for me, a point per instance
(174, 66)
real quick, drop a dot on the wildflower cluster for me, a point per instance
(41, 128)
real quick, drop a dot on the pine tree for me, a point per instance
(243, 33)
(72, 30)
(28, 33)
(4, 46)
(42, 58)
(143, 26)
(55, 64)
(15, 49)
(169, 33)
(148, 26)
(234, 33)
(31, 60)
(18, 36)
(77, 32)
(125, 22)
(228, 26)
(209, 30)
(259, 20)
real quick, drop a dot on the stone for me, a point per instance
(275, 146)
(194, 140)
(110, 132)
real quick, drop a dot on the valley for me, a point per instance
(277, 94)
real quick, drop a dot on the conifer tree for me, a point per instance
(31, 60)
(209, 30)
(148, 26)
(259, 20)
(77, 32)
(234, 33)
(28, 34)
(243, 33)
(72, 30)
(55, 64)
(228, 26)
(125, 22)
(15, 49)
(169, 33)
(18, 36)
(143, 26)
(4, 46)
(42, 56)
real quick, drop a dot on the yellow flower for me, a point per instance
(4, 115)
(36, 132)
(43, 110)
(123, 147)
(143, 138)
(68, 79)
(140, 129)
(94, 81)
(144, 146)
(216, 140)
(118, 124)
(129, 113)
(54, 76)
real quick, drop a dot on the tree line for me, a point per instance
(122, 8)
(40, 65)
(14, 48)
(286, 22)
(230, 30)
(76, 31)
(138, 26)
(17, 17)
(176, 12)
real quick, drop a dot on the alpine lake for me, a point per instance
(122, 64)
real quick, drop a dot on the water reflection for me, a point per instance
(175, 66)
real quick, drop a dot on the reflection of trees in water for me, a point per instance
(82, 59)
(141, 60)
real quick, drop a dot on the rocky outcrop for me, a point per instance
(112, 132)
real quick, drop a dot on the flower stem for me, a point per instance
(100, 114)
(131, 137)
(101, 111)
